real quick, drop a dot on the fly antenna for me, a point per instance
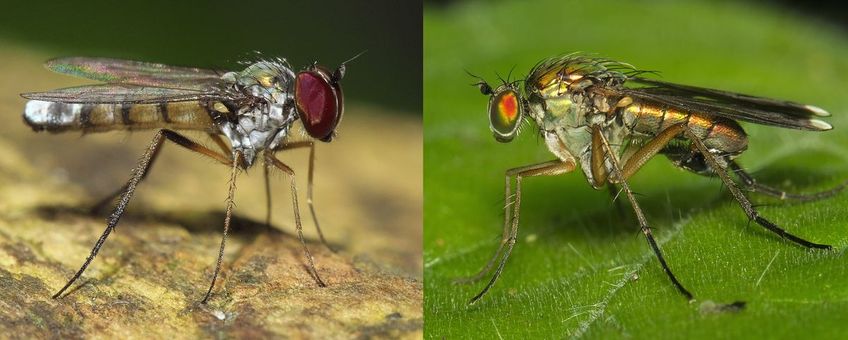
(500, 78)
(339, 73)
(474, 76)
(509, 75)
(354, 57)
(481, 83)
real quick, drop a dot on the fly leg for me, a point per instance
(550, 168)
(621, 174)
(614, 192)
(227, 218)
(311, 146)
(634, 163)
(749, 183)
(139, 172)
(737, 194)
(109, 199)
(106, 201)
(270, 159)
(266, 171)
(507, 213)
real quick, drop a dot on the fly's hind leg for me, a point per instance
(551, 168)
(749, 183)
(109, 199)
(106, 201)
(743, 201)
(621, 174)
(139, 173)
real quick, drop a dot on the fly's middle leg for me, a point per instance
(550, 168)
(621, 173)
(634, 163)
(614, 192)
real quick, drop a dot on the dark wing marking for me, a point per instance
(117, 71)
(128, 94)
(728, 104)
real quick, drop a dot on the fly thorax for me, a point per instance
(259, 128)
(264, 123)
(555, 108)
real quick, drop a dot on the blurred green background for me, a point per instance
(581, 270)
(221, 33)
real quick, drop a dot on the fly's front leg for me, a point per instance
(737, 194)
(507, 213)
(749, 183)
(551, 168)
(270, 159)
(620, 175)
(129, 189)
(309, 176)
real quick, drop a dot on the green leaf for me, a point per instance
(581, 269)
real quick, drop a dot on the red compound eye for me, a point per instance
(318, 103)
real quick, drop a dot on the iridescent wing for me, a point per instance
(737, 106)
(135, 82)
(117, 71)
(125, 94)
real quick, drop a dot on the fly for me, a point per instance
(607, 119)
(259, 111)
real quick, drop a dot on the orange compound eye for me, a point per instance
(508, 107)
(504, 114)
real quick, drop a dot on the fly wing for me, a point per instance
(117, 71)
(127, 94)
(738, 106)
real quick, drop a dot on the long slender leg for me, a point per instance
(504, 237)
(139, 173)
(311, 146)
(634, 163)
(643, 222)
(649, 150)
(746, 205)
(551, 168)
(749, 183)
(105, 201)
(227, 218)
(267, 175)
(613, 192)
(269, 157)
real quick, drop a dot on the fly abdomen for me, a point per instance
(719, 134)
(86, 117)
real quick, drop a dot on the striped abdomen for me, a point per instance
(60, 117)
(717, 133)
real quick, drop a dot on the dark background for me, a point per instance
(221, 33)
